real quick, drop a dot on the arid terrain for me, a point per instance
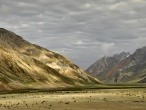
(101, 99)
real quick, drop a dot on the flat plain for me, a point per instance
(99, 99)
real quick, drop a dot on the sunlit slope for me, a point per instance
(27, 66)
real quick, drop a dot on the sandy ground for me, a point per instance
(109, 99)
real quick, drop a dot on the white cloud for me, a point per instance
(139, 42)
(108, 48)
(138, 0)
(86, 5)
(25, 25)
(79, 42)
(118, 5)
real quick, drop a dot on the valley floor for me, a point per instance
(102, 99)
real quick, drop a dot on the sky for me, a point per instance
(81, 30)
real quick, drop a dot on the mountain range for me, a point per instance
(24, 65)
(121, 68)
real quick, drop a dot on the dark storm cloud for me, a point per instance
(82, 30)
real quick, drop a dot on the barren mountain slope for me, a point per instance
(27, 66)
(129, 69)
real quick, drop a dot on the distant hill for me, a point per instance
(121, 68)
(28, 66)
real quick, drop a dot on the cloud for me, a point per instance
(83, 31)
(118, 5)
(138, 0)
(108, 48)
(4, 8)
